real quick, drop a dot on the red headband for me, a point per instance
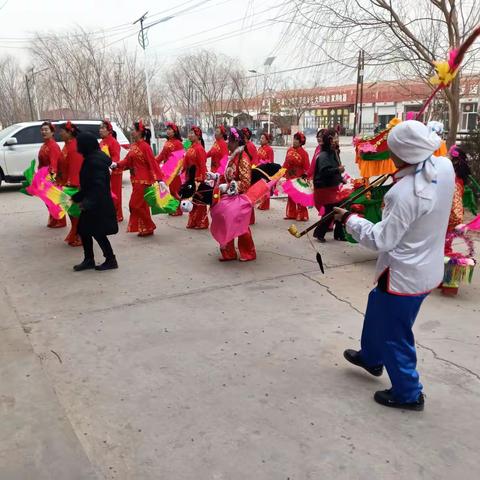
(222, 129)
(172, 126)
(197, 131)
(268, 136)
(141, 126)
(300, 137)
(247, 132)
(108, 125)
(69, 127)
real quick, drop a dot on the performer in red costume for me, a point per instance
(48, 156)
(252, 153)
(219, 148)
(196, 156)
(265, 155)
(297, 165)
(239, 169)
(173, 144)
(69, 172)
(144, 171)
(111, 147)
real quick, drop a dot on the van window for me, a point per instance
(29, 135)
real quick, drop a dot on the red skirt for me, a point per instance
(325, 196)
(198, 218)
(116, 188)
(140, 219)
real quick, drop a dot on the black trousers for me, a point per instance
(322, 229)
(104, 243)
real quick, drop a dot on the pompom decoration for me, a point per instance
(459, 267)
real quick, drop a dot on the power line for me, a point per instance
(209, 30)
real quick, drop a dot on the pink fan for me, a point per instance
(173, 165)
(299, 191)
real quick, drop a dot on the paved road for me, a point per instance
(179, 367)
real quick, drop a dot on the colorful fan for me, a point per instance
(28, 174)
(173, 166)
(160, 200)
(300, 191)
(56, 200)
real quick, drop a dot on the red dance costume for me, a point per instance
(144, 171)
(49, 156)
(113, 147)
(216, 153)
(69, 167)
(297, 164)
(265, 155)
(240, 170)
(252, 154)
(172, 145)
(196, 155)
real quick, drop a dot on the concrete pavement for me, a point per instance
(179, 367)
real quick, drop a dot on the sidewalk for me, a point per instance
(37, 441)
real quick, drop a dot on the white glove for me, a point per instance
(113, 165)
(223, 187)
(232, 189)
(212, 176)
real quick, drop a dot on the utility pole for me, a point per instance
(359, 94)
(142, 40)
(362, 76)
(27, 83)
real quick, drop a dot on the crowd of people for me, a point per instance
(410, 238)
(69, 165)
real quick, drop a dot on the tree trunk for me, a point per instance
(453, 97)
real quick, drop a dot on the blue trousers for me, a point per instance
(387, 339)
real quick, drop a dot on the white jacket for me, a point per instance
(411, 235)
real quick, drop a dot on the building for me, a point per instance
(314, 108)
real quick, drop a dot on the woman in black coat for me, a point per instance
(98, 218)
(327, 179)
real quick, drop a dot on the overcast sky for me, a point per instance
(195, 24)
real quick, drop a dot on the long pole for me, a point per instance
(27, 82)
(269, 112)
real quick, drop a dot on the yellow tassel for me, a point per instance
(444, 75)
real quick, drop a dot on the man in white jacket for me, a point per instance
(410, 240)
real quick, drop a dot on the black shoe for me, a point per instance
(108, 264)
(321, 239)
(385, 397)
(354, 357)
(340, 239)
(87, 264)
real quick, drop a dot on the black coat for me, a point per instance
(98, 215)
(327, 172)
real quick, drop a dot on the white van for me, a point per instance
(20, 143)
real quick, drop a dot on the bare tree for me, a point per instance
(205, 79)
(13, 96)
(405, 36)
(295, 101)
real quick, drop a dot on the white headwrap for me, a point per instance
(414, 143)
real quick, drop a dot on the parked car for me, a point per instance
(20, 143)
